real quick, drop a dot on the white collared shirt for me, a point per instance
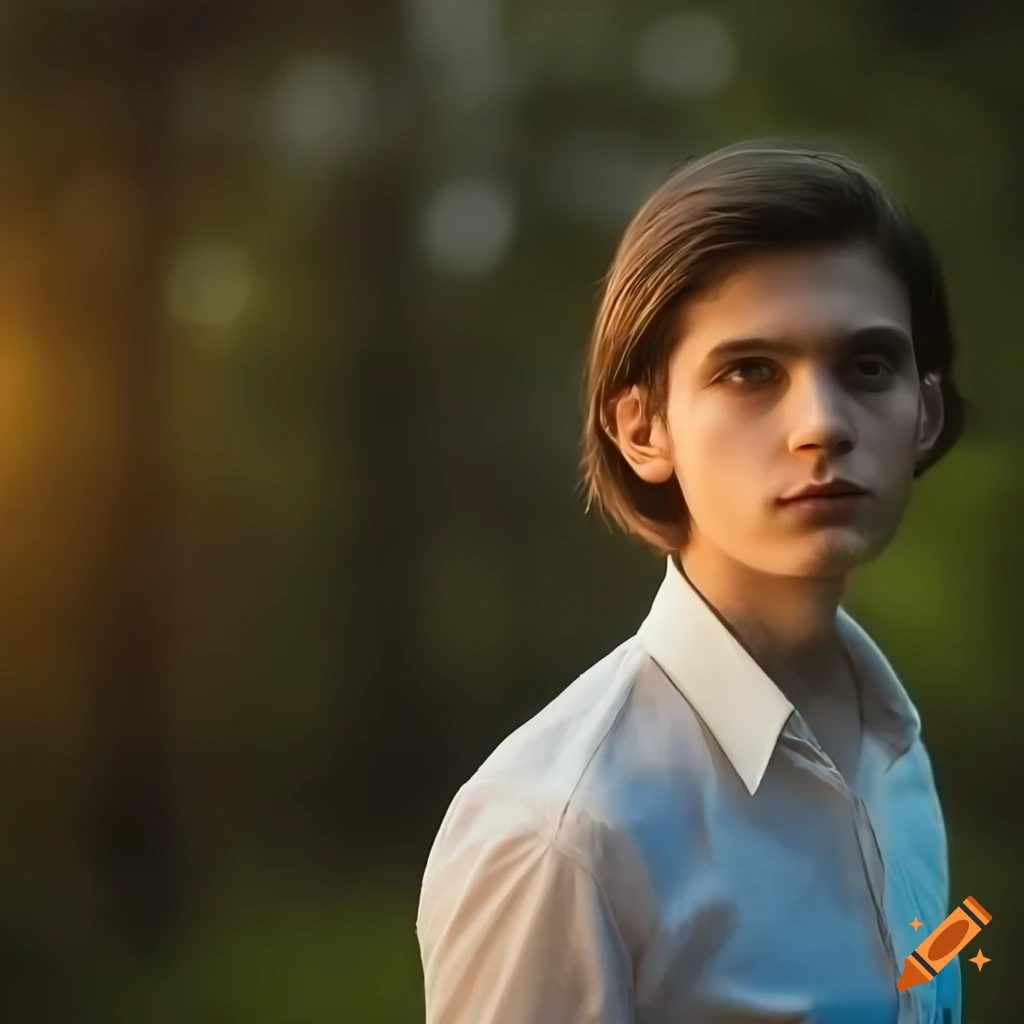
(666, 843)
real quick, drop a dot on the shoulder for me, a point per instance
(911, 784)
(534, 775)
(918, 825)
(617, 751)
(620, 723)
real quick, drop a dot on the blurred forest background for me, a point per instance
(293, 301)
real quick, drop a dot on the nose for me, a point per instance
(822, 419)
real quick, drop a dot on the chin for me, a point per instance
(829, 551)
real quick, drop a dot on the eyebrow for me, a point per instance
(893, 341)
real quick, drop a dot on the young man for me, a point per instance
(732, 816)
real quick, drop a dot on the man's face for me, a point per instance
(831, 390)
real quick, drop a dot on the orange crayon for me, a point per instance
(944, 943)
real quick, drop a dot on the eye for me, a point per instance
(873, 368)
(735, 374)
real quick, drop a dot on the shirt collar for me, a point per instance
(736, 699)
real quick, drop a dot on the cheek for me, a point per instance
(893, 437)
(718, 451)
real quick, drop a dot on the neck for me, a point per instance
(787, 622)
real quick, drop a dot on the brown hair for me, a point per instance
(745, 199)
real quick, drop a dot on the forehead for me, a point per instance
(814, 296)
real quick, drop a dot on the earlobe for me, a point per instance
(643, 441)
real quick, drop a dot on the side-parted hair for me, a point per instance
(747, 199)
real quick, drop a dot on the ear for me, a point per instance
(644, 441)
(930, 414)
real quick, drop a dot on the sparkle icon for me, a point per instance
(915, 924)
(980, 959)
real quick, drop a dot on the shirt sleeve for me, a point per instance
(948, 995)
(513, 929)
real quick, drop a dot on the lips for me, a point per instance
(831, 496)
(830, 490)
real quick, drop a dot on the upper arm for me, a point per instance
(513, 929)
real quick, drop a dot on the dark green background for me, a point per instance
(293, 300)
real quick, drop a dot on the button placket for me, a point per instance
(908, 1007)
(806, 741)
